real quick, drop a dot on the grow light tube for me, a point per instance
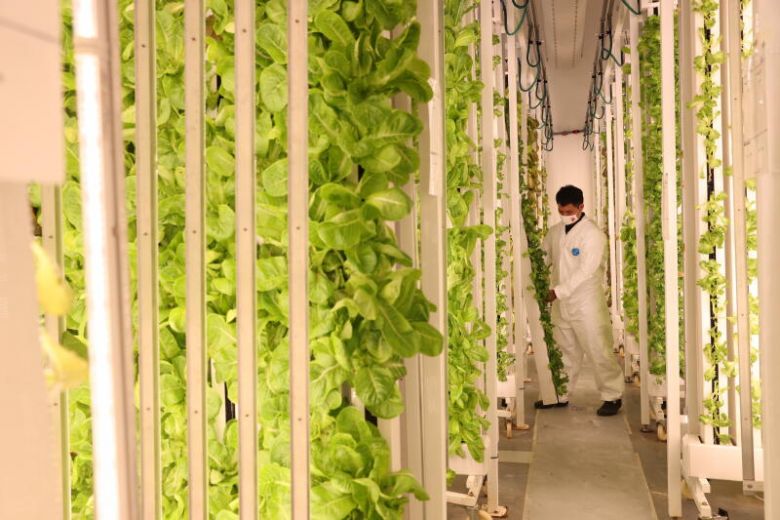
(112, 426)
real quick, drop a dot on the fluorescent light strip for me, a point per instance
(91, 154)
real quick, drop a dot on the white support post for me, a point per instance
(515, 224)
(411, 419)
(766, 77)
(488, 163)
(246, 257)
(98, 86)
(147, 258)
(195, 241)
(732, 114)
(670, 258)
(434, 258)
(691, 223)
(298, 251)
(51, 228)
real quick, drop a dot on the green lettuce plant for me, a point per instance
(467, 331)
(630, 297)
(367, 314)
(532, 188)
(713, 239)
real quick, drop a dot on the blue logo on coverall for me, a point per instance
(575, 251)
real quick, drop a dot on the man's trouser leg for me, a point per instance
(566, 341)
(595, 338)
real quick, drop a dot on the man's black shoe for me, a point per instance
(610, 408)
(539, 405)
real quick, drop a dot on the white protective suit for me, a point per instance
(580, 314)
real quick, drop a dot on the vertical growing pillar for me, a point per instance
(670, 258)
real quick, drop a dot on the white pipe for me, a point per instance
(147, 258)
(673, 457)
(768, 193)
(246, 257)
(96, 42)
(488, 163)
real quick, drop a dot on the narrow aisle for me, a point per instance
(585, 466)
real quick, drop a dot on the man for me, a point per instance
(575, 249)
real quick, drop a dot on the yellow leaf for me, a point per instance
(54, 295)
(65, 369)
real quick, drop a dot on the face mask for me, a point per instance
(568, 220)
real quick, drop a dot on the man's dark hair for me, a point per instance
(569, 195)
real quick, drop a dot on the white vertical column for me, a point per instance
(515, 223)
(411, 419)
(434, 258)
(195, 241)
(488, 163)
(732, 83)
(298, 251)
(147, 269)
(670, 258)
(766, 73)
(246, 255)
(98, 85)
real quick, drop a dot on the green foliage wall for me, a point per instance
(630, 297)
(716, 225)
(532, 186)
(367, 313)
(467, 330)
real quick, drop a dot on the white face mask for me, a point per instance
(568, 220)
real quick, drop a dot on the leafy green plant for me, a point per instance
(466, 352)
(504, 359)
(713, 282)
(630, 297)
(532, 188)
(366, 315)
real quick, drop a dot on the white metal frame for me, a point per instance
(766, 72)
(246, 256)
(488, 163)
(148, 288)
(298, 252)
(96, 43)
(433, 255)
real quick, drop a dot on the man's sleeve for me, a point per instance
(591, 257)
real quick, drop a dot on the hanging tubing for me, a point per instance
(631, 9)
(519, 26)
(520, 81)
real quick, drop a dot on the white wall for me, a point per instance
(569, 164)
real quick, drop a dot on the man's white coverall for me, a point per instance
(580, 315)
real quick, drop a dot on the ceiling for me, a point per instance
(570, 35)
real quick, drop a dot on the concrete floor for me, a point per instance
(586, 467)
